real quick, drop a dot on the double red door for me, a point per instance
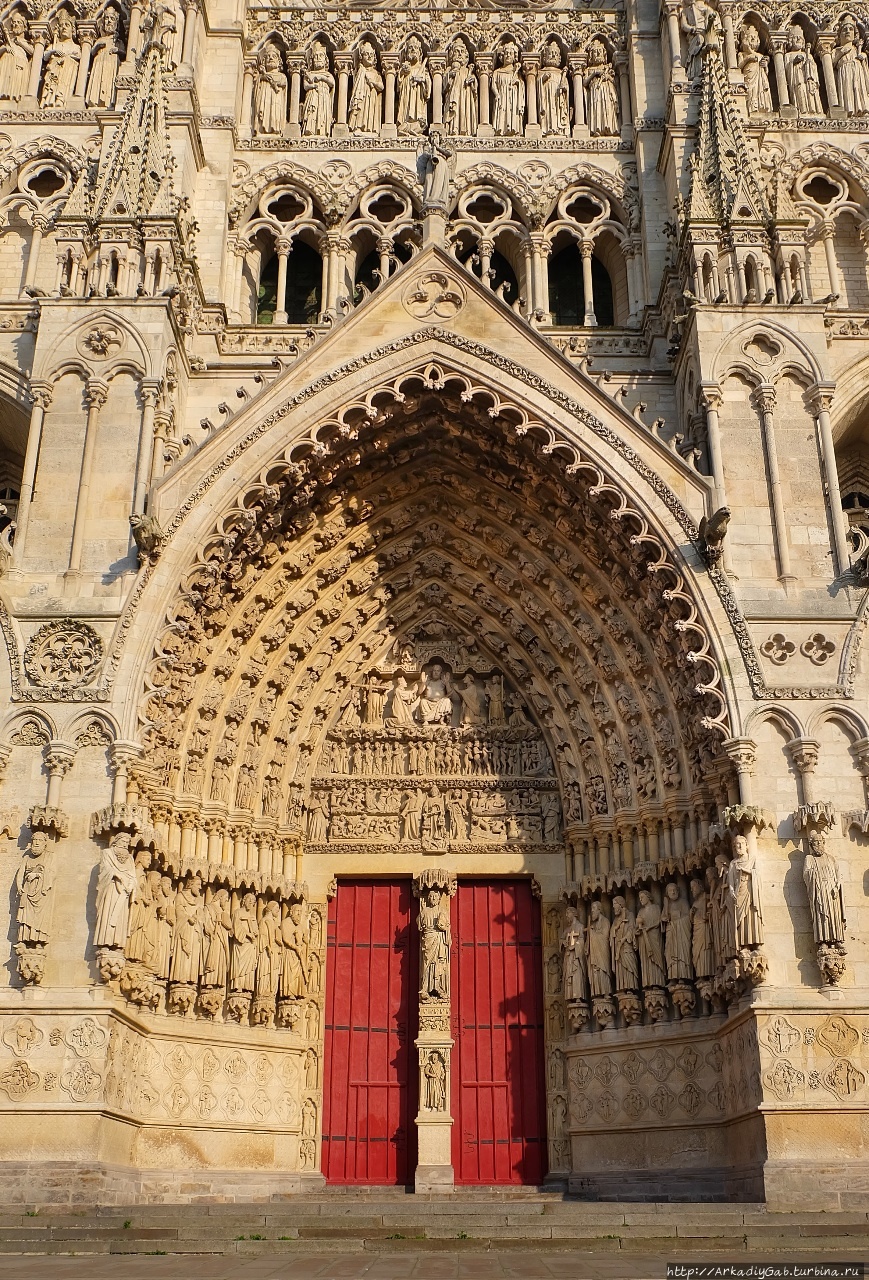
(498, 1099)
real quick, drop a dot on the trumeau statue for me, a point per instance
(435, 941)
(319, 85)
(366, 98)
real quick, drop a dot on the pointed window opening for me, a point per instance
(567, 292)
(303, 300)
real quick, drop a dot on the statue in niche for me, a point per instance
(245, 936)
(473, 700)
(702, 26)
(15, 58)
(414, 90)
(552, 89)
(702, 945)
(270, 94)
(753, 65)
(402, 702)
(34, 883)
(435, 1076)
(311, 1070)
(676, 922)
(294, 972)
(140, 909)
(649, 942)
(318, 818)
(435, 941)
(851, 68)
(550, 811)
(623, 943)
(367, 96)
(572, 942)
(116, 885)
(375, 700)
(319, 85)
(801, 74)
(600, 979)
(216, 928)
(61, 63)
(517, 719)
(434, 703)
(743, 885)
(461, 93)
(309, 1118)
(186, 963)
(411, 815)
(457, 810)
(164, 923)
(723, 924)
(105, 60)
(495, 693)
(433, 830)
(824, 887)
(602, 102)
(508, 89)
(435, 163)
(269, 948)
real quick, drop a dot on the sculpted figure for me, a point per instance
(602, 102)
(852, 72)
(402, 702)
(552, 90)
(164, 907)
(245, 936)
(294, 971)
(318, 818)
(508, 89)
(140, 909)
(473, 701)
(801, 73)
(414, 90)
(743, 885)
(572, 940)
(598, 952)
(435, 162)
(702, 26)
(824, 887)
(411, 815)
(435, 706)
(676, 920)
(34, 883)
(623, 943)
(461, 93)
(702, 945)
(724, 931)
(319, 85)
(365, 100)
(269, 947)
(105, 60)
(435, 941)
(649, 943)
(270, 94)
(550, 809)
(115, 887)
(435, 1074)
(61, 64)
(187, 935)
(495, 693)
(433, 829)
(457, 808)
(753, 65)
(216, 927)
(15, 58)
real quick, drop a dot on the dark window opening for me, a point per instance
(567, 293)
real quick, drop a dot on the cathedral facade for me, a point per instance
(434, 457)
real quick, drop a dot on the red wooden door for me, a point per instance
(499, 1103)
(369, 1105)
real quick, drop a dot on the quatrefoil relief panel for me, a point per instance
(818, 649)
(778, 648)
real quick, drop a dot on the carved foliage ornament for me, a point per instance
(63, 653)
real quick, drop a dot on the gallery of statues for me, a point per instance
(434, 555)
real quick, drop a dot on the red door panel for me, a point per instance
(499, 1107)
(369, 1107)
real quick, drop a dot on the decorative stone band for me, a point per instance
(49, 818)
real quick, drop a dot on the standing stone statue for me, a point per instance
(15, 58)
(34, 883)
(186, 964)
(753, 65)
(294, 970)
(600, 979)
(602, 100)
(724, 930)
(508, 88)
(801, 73)
(824, 887)
(461, 93)
(433, 829)
(116, 885)
(435, 162)
(435, 941)
(575, 981)
(319, 85)
(245, 936)
(623, 944)
(676, 921)
(743, 884)
(61, 63)
(414, 90)
(649, 942)
(270, 95)
(140, 909)
(852, 69)
(367, 96)
(435, 1075)
(216, 926)
(702, 946)
(105, 60)
(552, 90)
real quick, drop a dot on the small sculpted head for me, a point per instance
(672, 891)
(618, 905)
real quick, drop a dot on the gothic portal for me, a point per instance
(434, 545)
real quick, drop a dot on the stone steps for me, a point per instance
(374, 1221)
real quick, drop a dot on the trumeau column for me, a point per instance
(434, 887)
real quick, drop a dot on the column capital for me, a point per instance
(742, 752)
(96, 393)
(41, 393)
(710, 394)
(804, 752)
(764, 398)
(59, 756)
(586, 248)
(820, 396)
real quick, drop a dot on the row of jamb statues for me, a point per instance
(78, 63)
(502, 100)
